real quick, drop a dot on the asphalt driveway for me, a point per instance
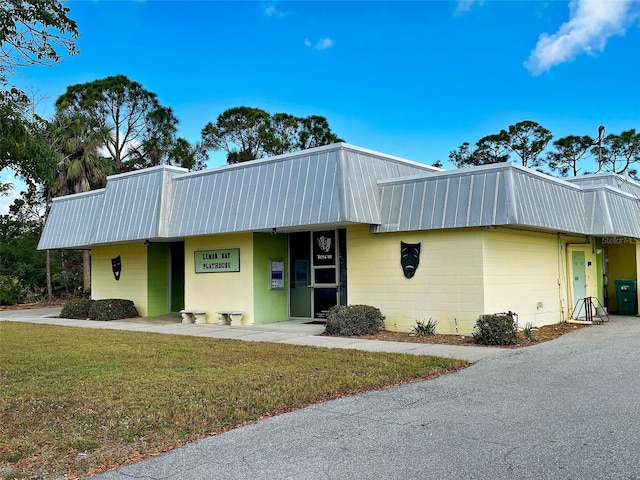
(569, 408)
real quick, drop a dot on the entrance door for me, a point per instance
(325, 272)
(579, 277)
(300, 290)
(317, 272)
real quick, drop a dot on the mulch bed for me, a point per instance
(542, 334)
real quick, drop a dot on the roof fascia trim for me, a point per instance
(479, 169)
(147, 171)
(76, 196)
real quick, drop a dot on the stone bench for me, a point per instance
(230, 317)
(193, 316)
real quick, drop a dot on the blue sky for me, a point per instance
(412, 79)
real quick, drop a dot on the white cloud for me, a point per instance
(324, 43)
(321, 44)
(465, 5)
(591, 23)
(272, 10)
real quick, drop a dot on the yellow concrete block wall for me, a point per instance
(530, 274)
(447, 285)
(220, 291)
(521, 274)
(132, 284)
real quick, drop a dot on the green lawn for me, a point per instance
(75, 400)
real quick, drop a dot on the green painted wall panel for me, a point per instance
(177, 276)
(269, 305)
(158, 278)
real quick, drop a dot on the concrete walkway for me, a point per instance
(294, 332)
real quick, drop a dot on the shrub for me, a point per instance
(78, 308)
(347, 320)
(424, 329)
(496, 329)
(112, 309)
(10, 290)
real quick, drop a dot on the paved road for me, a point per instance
(567, 409)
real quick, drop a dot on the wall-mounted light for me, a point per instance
(146, 242)
(274, 231)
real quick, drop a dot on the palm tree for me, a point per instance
(77, 140)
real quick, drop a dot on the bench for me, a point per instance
(193, 316)
(230, 317)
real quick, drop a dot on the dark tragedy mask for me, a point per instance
(409, 258)
(116, 266)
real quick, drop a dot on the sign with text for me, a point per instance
(618, 240)
(217, 261)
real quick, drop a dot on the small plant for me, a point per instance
(496, 329)
(424, 329)
(528, 332)
(347, 320)
(112, 309)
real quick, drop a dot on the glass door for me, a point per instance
(325, 277)
(317, 272)
(300, 290)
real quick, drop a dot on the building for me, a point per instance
(290, 236)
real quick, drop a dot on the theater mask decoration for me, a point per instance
(409, 258)
(324, 243)
(116, 266)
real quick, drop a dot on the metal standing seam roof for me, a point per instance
(325, 185)
(612, 180)
(129, 208)
(133, 204)
(71, 221)
(338, 184)
(501, 194)
(612, 212)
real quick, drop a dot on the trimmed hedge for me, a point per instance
(347, 320)
(103, 310)
(496, 329)
(112, 309)
(78, 308)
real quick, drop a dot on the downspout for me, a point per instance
(560, 271)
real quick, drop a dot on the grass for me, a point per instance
(78, 401)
